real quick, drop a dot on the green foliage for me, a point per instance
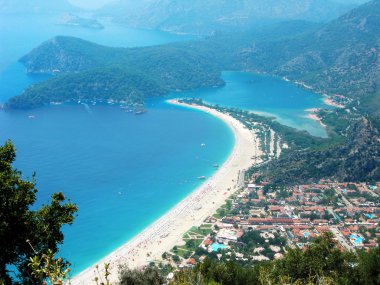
(355, 160)
(322, 262)
(92, 72)
(321, 259)
(26, 233)
(369, 266)
(176, 258)
(212, 272)
(148, 276)
(104, 84)
(370, 106)
(48, 268)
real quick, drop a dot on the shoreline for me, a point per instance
(313, 116)
(167, 231)
(328, 101)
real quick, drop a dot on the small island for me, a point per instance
(73, 20)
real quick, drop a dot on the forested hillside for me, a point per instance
(341, 57)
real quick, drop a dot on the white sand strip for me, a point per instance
(167, 231)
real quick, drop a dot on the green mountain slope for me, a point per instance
(341, 57)
(357, 159)
(104, 73)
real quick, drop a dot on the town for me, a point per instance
(260, 221)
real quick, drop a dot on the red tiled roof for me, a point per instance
(191, 261)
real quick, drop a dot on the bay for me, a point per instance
(122, 170)
(125, 171)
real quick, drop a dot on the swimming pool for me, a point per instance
(217, 246)
(357, 239)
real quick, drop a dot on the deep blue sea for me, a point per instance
(124, 171)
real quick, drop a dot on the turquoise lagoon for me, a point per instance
(124, 171)
(265, 95)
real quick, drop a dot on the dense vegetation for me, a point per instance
(356, 159)
(110, 83)
(340, 57)
(27, 232)
(322, 262)
(93, 72)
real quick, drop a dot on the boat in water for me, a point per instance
(140, 112)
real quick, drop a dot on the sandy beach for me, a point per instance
(330, 102)
(312, 114)
(167, 231)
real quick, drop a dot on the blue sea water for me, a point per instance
(122, 170)
(266, 95)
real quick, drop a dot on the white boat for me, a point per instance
(202, 177)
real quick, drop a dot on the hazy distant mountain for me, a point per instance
(35, 6)
(341, 57)
(199, 16)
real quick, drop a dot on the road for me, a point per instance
(342, 240)
(370, 191)
(348, 203)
